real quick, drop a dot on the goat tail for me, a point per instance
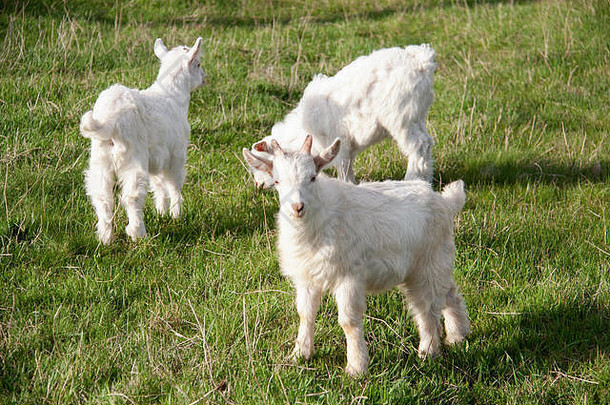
(454, 196)
(92, 128)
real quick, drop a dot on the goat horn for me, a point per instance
(277, 150)
(306, 148)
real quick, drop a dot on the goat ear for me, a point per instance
(327, 155)
(257, 163)
(195, 51)
(160, 49)
(277, 150)
(306, 148)
(261, 147)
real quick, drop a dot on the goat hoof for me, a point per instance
(452, 340)
(104, 235)
(175, 212)
(356, 370)
(428, 355)
(161, 210)
(135, 232)
(300, 352)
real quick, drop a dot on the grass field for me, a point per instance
(198, 312)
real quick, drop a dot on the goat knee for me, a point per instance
(133, 200)
(457, 325)
(351, 303)
(421, 162)
(307, 303)
(428, 323)
(357, 352)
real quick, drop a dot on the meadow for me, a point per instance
(198, 312)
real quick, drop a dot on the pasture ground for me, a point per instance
(199, 312)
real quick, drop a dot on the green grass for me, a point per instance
(198, 312)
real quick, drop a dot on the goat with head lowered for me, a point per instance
(386, 94)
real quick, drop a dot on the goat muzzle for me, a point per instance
(298, 209)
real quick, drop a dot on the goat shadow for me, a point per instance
(487, 172)
(247, 216)
(547, 337)
(552, 338)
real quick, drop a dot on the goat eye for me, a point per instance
(313, 178)
(277, 182)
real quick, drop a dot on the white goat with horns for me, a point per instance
(352, 240)
(141, 134)
(386, 94)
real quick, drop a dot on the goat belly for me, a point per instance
(382, 274)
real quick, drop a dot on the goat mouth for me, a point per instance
(298, 214)
(292, 214)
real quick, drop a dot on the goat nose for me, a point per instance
(298, 208)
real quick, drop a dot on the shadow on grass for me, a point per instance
(372, 13)
(521, 172)
(548, 354)
(556, 342)
(229, 13)
(246, 217)
(506, 172)
(548, 338)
